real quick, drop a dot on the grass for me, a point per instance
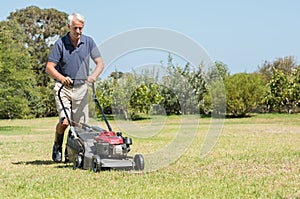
(256, 157)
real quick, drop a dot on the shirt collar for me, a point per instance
(68, 41)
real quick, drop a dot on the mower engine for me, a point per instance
(109, 144)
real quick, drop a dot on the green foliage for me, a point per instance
(244, 93)
(26, 90)
(41, 28)
(128, 95)
(214, 102)
(35, 30)
(283, 92)
(170, 101)
(15, 71)
(122, 91)
(144, 97)
(285, 64)
(219, 71)
(43, 104)
(214, 99)
(104, 92)
(178, 92)
(177, 83)
(184, 88)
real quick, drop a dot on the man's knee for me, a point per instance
(63, 123)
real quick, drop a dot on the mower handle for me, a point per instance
(100, 108)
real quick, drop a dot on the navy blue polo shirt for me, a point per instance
(74, 61)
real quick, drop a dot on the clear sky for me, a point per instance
(242, 34)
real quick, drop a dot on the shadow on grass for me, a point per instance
(35, 162)
(44, 162)
(64, 165)
(50, 162)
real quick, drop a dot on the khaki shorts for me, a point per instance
(75, 100)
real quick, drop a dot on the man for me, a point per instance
(68, 64)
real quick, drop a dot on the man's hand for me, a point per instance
(67, 81)
(97, 71)
(51, 70)
(91, 79)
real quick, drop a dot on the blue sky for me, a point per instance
(242, 34)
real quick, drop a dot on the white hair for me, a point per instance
(75, 16)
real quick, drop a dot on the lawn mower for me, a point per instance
(93, 148)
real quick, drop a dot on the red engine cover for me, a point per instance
(109, 137)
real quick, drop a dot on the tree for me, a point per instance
(219, 71)
(285, 64)
(170, 101)
(184, 88)
(123, 89)
(104, 90)
(295, 85)
(283, 92)
(144, 97)
(199, 83)
(214, 102)
(244, 93)
(283, 84)
(41, 28)
(214, 99)
(17, 78)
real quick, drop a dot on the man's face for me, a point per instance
(76, 29)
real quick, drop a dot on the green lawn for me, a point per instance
(256, 157)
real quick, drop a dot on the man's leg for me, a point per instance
(80, 109)
(63, 122)
(59, 138)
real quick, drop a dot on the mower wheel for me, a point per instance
(77, 162)
(96, 164)
(139, 163)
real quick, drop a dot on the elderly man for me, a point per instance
(68, 64)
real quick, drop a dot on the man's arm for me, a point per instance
(51, 70)
(98, 70)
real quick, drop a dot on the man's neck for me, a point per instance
(75, 41)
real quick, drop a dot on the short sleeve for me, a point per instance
(55, 55)
(95, 52)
